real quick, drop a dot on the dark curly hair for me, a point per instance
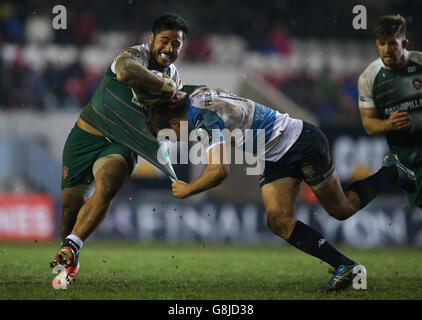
(160, 114)
(170, 21)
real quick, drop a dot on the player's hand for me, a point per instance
(168, 90)
(177, 100)
(180, 189)
(399, 120)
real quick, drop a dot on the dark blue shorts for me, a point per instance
(308, 159)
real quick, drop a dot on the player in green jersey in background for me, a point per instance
(111, 131)
(390, 97)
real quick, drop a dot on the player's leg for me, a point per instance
(71, 204)
(309, 158)
(342, 204)
(110, 177)
(110, 173)
(415, 198)
(338, 203)
(113, 167)
(318, 171)
(79, 154)
(279, 200)
(412, 159)
(83, 158)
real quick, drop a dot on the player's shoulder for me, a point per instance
(139, 51)
(370, 73)
(140, 47)
(415, 56)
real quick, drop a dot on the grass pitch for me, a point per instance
(119, 270)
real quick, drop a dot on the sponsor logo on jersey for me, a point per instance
(411, 69)
(417, 83)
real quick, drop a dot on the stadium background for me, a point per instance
(304, 61)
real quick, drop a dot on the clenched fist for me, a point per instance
(180, 189)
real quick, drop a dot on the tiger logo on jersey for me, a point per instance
(417, 83)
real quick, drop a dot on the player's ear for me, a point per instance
(174, 123)
(405, 43)
(150, 39)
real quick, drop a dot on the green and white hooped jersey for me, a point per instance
(389, 90)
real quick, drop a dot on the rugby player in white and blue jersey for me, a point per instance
(294, 151)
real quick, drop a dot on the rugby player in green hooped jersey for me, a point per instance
(390, 97)
(101, 149)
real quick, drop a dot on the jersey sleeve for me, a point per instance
(140, 53)
(366, 99)
(416, 56)
(176, 77)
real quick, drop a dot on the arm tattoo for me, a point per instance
(140, 56)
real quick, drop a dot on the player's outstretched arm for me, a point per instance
(214, 173)
(131, 69)
(373, 125)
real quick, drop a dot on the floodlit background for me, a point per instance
(300, 57)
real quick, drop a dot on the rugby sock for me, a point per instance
(312, 242)
(75, 243)
(367, 189)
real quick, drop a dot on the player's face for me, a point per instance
(176, 125)
(391, 50)
(165, 47)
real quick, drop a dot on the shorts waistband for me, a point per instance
(87, 134)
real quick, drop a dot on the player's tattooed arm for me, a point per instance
(131, 68)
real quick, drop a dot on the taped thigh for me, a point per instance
(103, 160)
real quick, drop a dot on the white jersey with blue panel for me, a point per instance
(217, 109)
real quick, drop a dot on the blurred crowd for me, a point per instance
(264, 27)
(331, 97)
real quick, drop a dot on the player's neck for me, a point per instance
(154, 66)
